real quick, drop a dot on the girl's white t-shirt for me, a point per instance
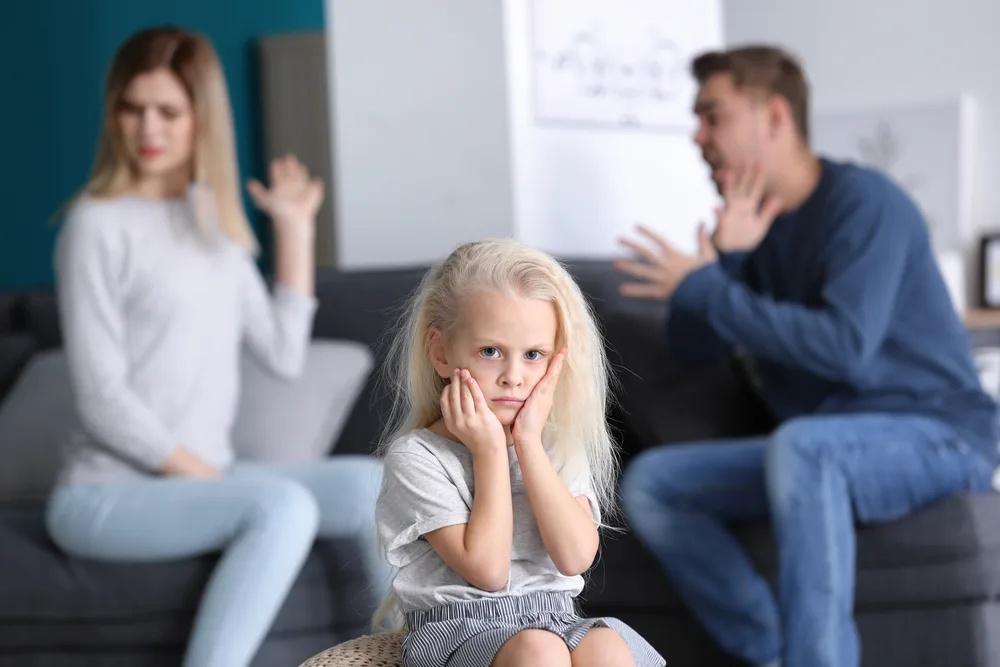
(427, 485)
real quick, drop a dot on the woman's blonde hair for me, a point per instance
(577, 434)
(193, 60)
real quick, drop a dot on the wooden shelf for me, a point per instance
(982, 318)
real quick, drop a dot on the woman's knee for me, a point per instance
(282, 505)
(533, 648)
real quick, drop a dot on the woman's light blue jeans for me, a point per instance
(263, 518)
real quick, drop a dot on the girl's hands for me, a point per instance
(533, 415)
(469, 418)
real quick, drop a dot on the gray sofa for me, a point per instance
(928, 586)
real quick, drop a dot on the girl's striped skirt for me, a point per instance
(469, 634)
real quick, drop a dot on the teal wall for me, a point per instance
(57, 52)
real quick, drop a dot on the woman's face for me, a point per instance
(157, 127)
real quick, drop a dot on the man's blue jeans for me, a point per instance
(814, 477)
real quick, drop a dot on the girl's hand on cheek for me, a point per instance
(533, 415)
(468, 417)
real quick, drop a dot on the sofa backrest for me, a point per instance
(654, 402)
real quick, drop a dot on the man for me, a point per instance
(822, 275)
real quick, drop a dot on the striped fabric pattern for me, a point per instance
(469, 634)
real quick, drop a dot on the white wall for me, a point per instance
(578, 189)
(420, 136)
(434, 140)
(862, 51)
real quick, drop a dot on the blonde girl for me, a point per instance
(499, 468)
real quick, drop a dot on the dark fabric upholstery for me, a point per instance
(912, 561)
(657, 402)
(40, 319)
(363, 307)
(964, 634)
(60, 601)
(928, 586)
(11, 312)
(15, 352)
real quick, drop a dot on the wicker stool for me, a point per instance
(381, 650)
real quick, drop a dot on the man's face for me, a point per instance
(732, 126)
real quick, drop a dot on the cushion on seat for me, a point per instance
(60, 601)
(947, 552)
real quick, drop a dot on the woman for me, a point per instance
(158, 292)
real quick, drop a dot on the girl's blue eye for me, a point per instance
(534, 355)
(489, 352)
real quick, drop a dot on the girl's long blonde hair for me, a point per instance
(577, 433)
(193, 60)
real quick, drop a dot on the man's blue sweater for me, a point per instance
(842, 309)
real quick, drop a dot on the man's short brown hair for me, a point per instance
(766, 68)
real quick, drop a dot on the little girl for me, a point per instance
(500, 468)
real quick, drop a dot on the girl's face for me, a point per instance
(506, 343)
(157, 127)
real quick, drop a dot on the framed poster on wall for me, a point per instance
(618, 65)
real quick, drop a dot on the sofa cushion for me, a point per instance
(277, 420)
(924, 636)
(948, 552)
(300, 420)
(56, 600)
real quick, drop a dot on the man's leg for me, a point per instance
(677, 499)
(823, 473)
